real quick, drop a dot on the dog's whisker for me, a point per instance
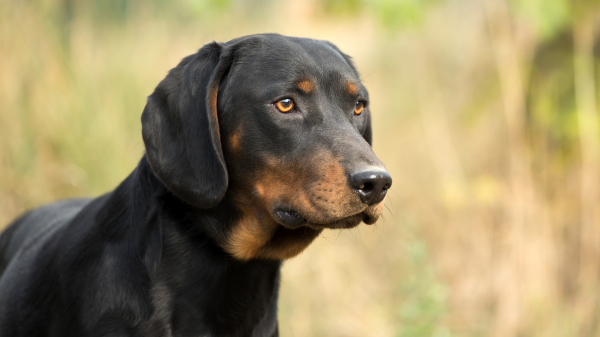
(296, 194)
(324, 237)
(389, 210)
(254, 197)
(339, 233)
(360, 235)
(398, 195)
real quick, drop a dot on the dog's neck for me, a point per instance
(194, 281)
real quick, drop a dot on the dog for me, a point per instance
(252, 148)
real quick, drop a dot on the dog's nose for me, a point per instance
(371, 185)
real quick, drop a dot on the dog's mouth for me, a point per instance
(289, 218)
(292, 220)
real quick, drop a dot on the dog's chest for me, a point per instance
(178, 316)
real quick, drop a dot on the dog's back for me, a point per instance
(29, 232)
(23, 254)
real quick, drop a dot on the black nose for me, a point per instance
(371, 185)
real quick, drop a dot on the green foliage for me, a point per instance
(551, 95)
(202, 8)
(423, 297)
(548, 17)
(391, 14)
(75, 74)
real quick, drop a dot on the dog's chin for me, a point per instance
(293, 220)
(345, 223)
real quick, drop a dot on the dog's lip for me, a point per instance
(292, 219)
(288, 218)
(344, 223)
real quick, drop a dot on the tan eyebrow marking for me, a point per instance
(306, 86)
(351, 88)
(234, 140)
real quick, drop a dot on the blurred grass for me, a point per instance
(485, 115)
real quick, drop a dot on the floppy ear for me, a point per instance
(181, 130)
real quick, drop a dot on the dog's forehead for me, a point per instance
(276, 57)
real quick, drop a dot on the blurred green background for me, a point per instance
(485, 113)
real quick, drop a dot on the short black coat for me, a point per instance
(191, 243)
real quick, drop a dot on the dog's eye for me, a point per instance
(285, 105)
(358, 108)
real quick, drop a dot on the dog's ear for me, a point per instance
(368, 134)
(181, 130)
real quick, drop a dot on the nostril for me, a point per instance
(387, 186)
(367, 187)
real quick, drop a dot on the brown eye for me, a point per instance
(358, 108)
(285, 105)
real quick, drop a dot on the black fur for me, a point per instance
(146, 259)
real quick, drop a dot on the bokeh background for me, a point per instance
(485, 113)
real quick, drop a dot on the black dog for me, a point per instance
(252, 148)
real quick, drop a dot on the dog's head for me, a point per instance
(280, 125)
